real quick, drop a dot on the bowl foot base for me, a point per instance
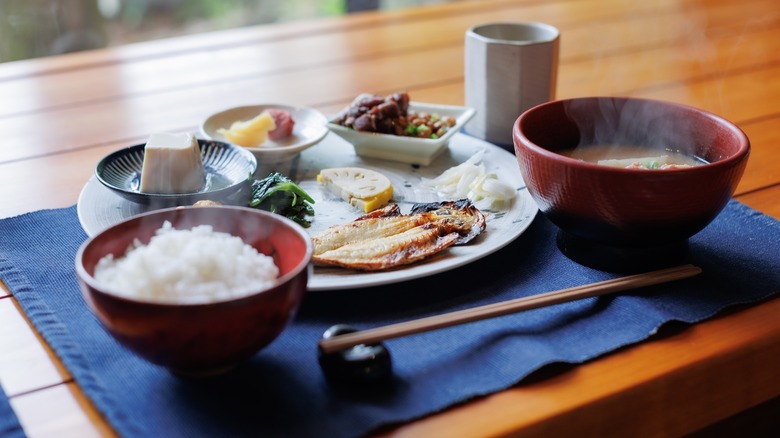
(622, 259)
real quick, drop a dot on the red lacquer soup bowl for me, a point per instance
(628, 219)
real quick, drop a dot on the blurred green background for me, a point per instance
(36, 28)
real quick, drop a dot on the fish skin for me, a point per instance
(395, 250)
(386, 211)
(461, 216)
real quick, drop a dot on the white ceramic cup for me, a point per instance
(509, 68)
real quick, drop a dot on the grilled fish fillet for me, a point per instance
(366, 230)
(385, 238)
(385, 252)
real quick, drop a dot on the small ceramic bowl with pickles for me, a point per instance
(309, 128)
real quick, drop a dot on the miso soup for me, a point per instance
(632, 157)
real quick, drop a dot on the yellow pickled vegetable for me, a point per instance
(250, 133)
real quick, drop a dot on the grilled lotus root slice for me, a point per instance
(365, 189)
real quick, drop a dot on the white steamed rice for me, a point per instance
(187, 266)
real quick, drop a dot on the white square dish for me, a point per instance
(412, 150)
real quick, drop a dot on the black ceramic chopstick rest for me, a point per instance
(356, 365)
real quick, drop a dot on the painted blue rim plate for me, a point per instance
(228, 168)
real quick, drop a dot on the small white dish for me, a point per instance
(410, 150)
(309, 129)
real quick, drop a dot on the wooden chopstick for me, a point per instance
(379, 334)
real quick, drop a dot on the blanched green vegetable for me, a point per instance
(278, 194)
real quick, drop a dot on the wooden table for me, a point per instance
(59, 115)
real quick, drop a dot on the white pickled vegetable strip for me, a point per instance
(471, 180)
(498, 189)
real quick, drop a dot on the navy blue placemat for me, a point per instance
(9, 425)
(281, 391)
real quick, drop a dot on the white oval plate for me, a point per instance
(99, 208)
(309, 129)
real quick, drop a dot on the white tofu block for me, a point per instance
(172, 164)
